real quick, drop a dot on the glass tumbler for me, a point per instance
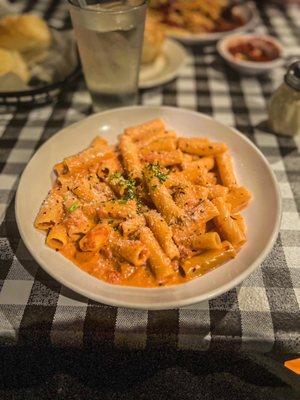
(109, 35)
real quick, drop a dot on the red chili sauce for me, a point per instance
(259, 50)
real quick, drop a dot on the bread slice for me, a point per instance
(24, 33)
(12, 61)
(154, 38)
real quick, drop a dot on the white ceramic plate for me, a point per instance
(246, 11)
(262, 216)
(165, 68)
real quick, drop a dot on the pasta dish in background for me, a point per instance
(154, 210)
(195, 16)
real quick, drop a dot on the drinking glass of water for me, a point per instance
(109, 35)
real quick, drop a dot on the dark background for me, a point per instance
(28, 373)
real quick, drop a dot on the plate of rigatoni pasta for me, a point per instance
(148, 207)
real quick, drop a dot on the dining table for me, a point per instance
(260, 315)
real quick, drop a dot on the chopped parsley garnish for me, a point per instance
(129, 186)
(73, 207)
(157, 172)
(139, 207)
(130, 190)
(117, 179)
(122, 201)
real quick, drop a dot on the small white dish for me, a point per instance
(165, 68)
(253, 171)
(246, 11)
(249, 67)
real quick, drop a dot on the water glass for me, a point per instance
(109, 35)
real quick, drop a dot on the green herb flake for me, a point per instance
(73, 207)
(122, 201)
(117, 179)
(157, 172)
(139, 207)
(128, 184)
(115, 175)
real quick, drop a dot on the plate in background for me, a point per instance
(165, 68)
(247, 11)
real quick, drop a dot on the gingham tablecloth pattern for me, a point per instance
(262, 314)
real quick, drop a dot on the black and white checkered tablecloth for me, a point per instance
(262, 314)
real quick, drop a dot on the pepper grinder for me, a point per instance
(284, 105)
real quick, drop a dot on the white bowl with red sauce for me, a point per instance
(251, 54)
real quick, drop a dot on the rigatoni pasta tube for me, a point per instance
(207, 241)
(95, 238)
(225, 168)
(211, 178)
(84, 188)
(165, 204)
(92, 155)
(130, 157)
(116, 209)
(146, 130)
(160, 263)
(176, 179)
(99, 142)
(147, 141)
(217, 191)
(238, 198)
(60, 168)
(187, 159)
(201, 192)
(161, 197)
(185, 196)
(161, 144)
(205, 162)
(183, 192)
(193, 176)
(206, 211)
(185, 144)
(195, 173)
(77, 223)
(90, 210)
(165, 158)
(201, 147)
(109, 166)
(240, 221)
(210, 259)
(132, 251)
(162, 233)
(57, 237)
(184, 233)
(228, 227)
(51, 211)
(132, 225)
(65, 181)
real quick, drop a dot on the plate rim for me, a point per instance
(168, 304)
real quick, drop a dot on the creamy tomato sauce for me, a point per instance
(116, 273)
